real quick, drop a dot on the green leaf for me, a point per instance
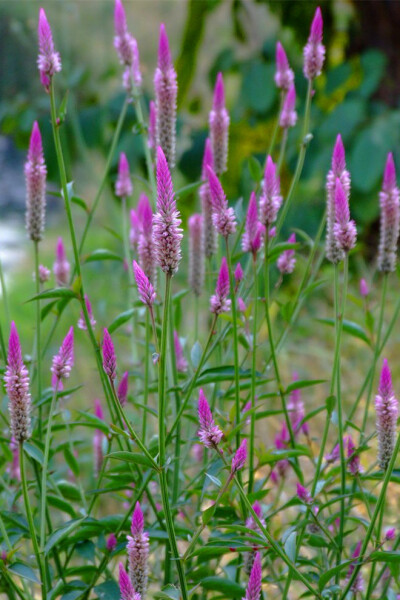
(121, 320)
(34, 452)
(229, 588)
(69, 490)
(71, 461)
(54, 293)
(349, 327)
(387, 557)
(290, 546)
(24, 571)
(169, 592)
(302, 383)
(62, 111)
(102, 254)
(108, 590)
(62, 505)
(255, 169)
(215, 480)
(58, 536)
(207, 514)
(279, 248)
(80, 202)
(187, 190)
(93, 421)
(131, 457)
(327, 575)
(195, 354)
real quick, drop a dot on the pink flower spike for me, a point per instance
(122, 391)
(109, 358)
(390, 534)
(49, 61)
(314, 50)
(219, 127)
(44, 274)
(219, 302)
(334, 455)
(151, 141)
(123, 185)
(181, 362)
(284, 75)
(209, 234)
(209, 433)
(271, 199)
(240, 457)
(146, 291)
(287, 261)
(126, 588)
(137, 525)
(111, 542)
(357, 586)
(138, 552)
(387, 411)
(16, 381)
(120, 24)
(98, 439)
(338, 170)
(64, 360)
(166, 90)
(145, 243)
(252, 237)
(390, 219)
(288, 116)
(242, 305)
(127, 49)
(253, 590)
(134, 231)
(223, 216)
(61, 265)
(364, 289)
(196, 254)
(166, 222)
(296, 409)
(303, 494)
(344, 229)
(81, 321)
(238, 274)
(338, 157)
(353, 460)
(35, 178)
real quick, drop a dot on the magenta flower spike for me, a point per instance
(126, 588)
(152, 131)
(166, 222)
(146, 291)
(44, 274)
(387, 412)
(288, 116)
(271, 199)
(180, 360)
(98, 439)
(209, 433)
(219, 127)
(364, 289)
(127, 49)
(16, 381)
(49, 61)
(390, 534)
(138, 552)
(286, 261)
(196, 254)
(303, 494)
(251, 524)
(134, 231)
(284, 75)
(357, 586)
(296, 409)
(242, 305)
(240, 457)
(223, 216)
(220, 302)
(333, 456)
(338, 170)
(81, 320)
(35, 179)
(122, 391)
(353, 460)
(344, 229)
(166, 91)
(253, 233)
(109, 358)
(111, 542)
(314, 50)
(253, 590)
(61, 267)
(281, 442)
(123, 185)
(145, 246)
(64, 360)
(209, 233)
(389, 220)
(238, 274)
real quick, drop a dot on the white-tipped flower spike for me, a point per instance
(338, 171)
(253, 590)
(49, 61)
(209, 233)
(126, 588)
(166, 222)
(288, 116)
(196, 254)
(389, 226)
(166, 91)
(284, 75)
(123, 185)
(64, 360)
(224, 219)
(44, 274)
(357, 586)
(314, 50)
(387, 411)
(138, 552)
(219, 127)
(344, 230)
(16, 381)
(220, 302)
(287, 261)
(145, 290)
(81, 320)
(271, 199)
(127, 49)
(35, 177)
(61, 267)
(180, 360)
(145, 245)
(209, 433)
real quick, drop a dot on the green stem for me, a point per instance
(146, 377)
(161, 441)
(44, 471)
(4, 295)
(282, 149)
(146, 149)
(378, 537)
(38, 351)
(253, 380)
(31, 525)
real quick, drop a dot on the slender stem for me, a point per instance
(376, 355)
(253, 380)
(146, 149)
(4, 295)
(43, 500)
(378, 508)
(276, 126)
(110, 157)
(31, 525)
(378, 543)
(161, 440)
(235, 342)
(38, 351)
(146, 377)
(282, 149)
(128, 264)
